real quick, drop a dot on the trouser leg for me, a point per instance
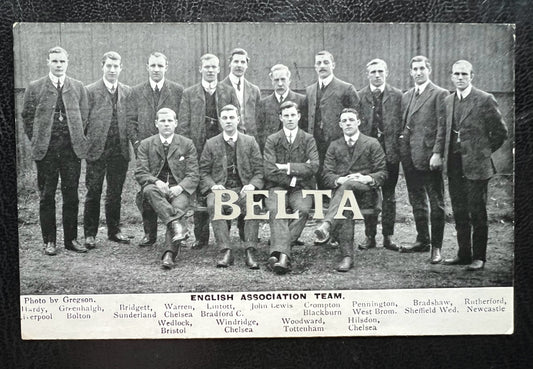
(94, 180)
(47, 179)
(117, 169)
(415, 180)
(388, 216)
(69, 171)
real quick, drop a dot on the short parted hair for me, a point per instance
(229, 107)
(377, 61)
(239, 51)
(164, 111)
(350, 110)
(466, 62)
(157, 54)
(207, 57)
(327, 53)
(288, 105)
(420, 58)
(57, 50)
(279, 67)
(113, 55)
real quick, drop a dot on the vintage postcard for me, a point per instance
(123, 140)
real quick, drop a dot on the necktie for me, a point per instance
(239, 84)
(351, 142)
(417, 92)
(157, 94)
(289, 138)
(281, 100)
(112, 89)
(231, 142)
(58, 85)
(166, 145)
(323, 87)
(376, 93)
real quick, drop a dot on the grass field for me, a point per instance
(115, 268)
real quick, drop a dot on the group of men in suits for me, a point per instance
(221, 135)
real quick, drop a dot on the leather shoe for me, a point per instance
(345, 265)
(147, 240)
(119, 237)
(198, 245)
(416, 247)
(168, 260)
(322, 233)
(368, 243)
(476, 265)
(179, 232)
(50, 248)
(75, 246)
(272, 261)
(455, 261)
(435, 255)
(90, 243)
(226, 260)
(389, 244)
(283, 264)
(250, 260)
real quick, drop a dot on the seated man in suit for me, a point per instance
(354, 162)
(231, 160)
(268, 111)
(291, 163)
(167, 170)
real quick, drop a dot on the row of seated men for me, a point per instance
(426, 129)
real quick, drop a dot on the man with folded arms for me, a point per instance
(291, 163)
(231, 160)
(354, 162)
(54, 114)
(474, 130)
(167, 170)
(108, 154)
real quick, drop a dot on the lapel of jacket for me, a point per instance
(103, 91)
(428, 92)
(149, 94)
(220, 148)
(409, 96)
(246, 92)
(329, 90)
(240, 152)
(449, 113)
(370, 100)
(159, 148)
(312, 97)
(284, 141)
(67, 86)
(298, 140)
(358, 148)
(165, 92)
(174, 146)
(386, 94)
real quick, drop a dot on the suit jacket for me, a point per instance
(214, 163)
(252, 96)
(302, 155)
(338, 95)
(268, 121)
(368, 158)
(482, 131)
(392, 118)
(100, 115)
(191, 118)
(424, 124)
(182, 161)
(142, 110)
(38, 114)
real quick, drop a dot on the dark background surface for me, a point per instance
(402, 352)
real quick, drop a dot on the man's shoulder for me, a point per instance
(295, 95)
(276, 136)
(367, 140)
(74, 82)
(210, 142)
(438, 88)
(393, 90)
(125, 88)
(193, 89)
(480, 93)
(182, 140)
(140, 86)
(173, 85)
(94, 85)
(337, 82)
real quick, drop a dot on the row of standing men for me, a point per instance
(424, 129)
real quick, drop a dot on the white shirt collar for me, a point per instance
(422, 87)
(354, 138)
(209, 85)
(227, 137)
(292, 133)
(235, 80)
(110, 85)
(465, 92)
(169, 139)
(374, 88)
(158, 84)
(284, 96)
(54, 79)
(326, 81)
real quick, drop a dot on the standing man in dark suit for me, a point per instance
(325, 100)
(380, 110)
(54, 115)
(355, 163)
(167, 170)
(145, 101)
(231, 160)
(422, 142)
(247, 93)
(291, 163)
(108, 154)
(474, 130)
(198, 120)
(268, 111)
